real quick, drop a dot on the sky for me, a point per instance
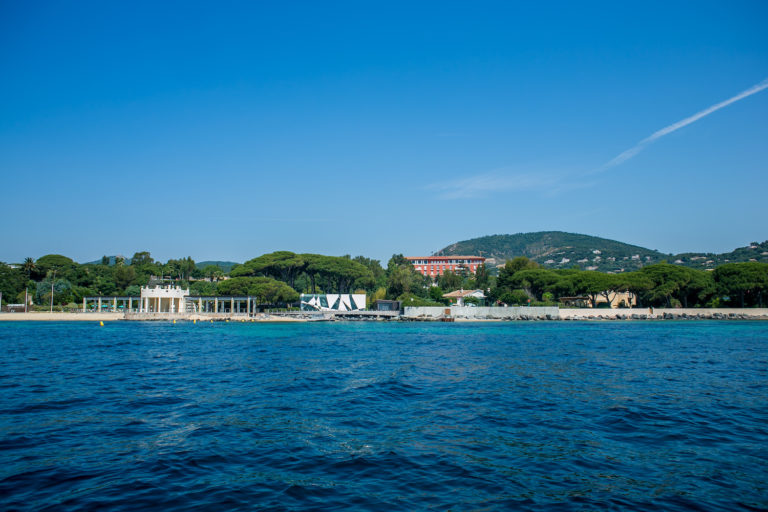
(225, 130)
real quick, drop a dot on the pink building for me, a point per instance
(434, 266)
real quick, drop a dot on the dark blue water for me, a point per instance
(530, 416)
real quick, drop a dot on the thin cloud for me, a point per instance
(481, 185)
(631, 152)
(502, 180)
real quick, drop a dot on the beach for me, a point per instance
(58, 316)
(421, 314)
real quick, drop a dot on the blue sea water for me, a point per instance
(384, 416)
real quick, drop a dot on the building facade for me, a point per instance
(434, 266)
(163, 299)
(332, 302)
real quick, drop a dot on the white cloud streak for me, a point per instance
(546, 183)
(631, 152)
(503, 180)
(480, 185)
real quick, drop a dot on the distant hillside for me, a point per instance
(755, 251)
(225, 266)
(112, 260)
(557, 249)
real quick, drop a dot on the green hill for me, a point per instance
(225, 266)
(112, 261)
(557, 249)
(756, 251)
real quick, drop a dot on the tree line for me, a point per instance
(279, 277)
(657, 285)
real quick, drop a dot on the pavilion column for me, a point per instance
(114, 303)
(99, 304)
(215, 304)
(200, 305)
(248, 306)
(83, 304)
(231, 305)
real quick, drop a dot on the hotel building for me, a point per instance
(434, 266)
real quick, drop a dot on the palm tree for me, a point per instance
(29, 266)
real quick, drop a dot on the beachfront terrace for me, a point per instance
(223, 304)
(110, 303)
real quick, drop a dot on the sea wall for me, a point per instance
(665, 314)
(553, 313)
(481, 313)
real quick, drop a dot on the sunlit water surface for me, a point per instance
(367, 416)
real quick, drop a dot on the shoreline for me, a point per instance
(585, 314)
(45, 316)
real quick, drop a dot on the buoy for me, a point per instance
(174, 320)
(101, 323)
(194, 320)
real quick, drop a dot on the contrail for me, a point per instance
(626, 155)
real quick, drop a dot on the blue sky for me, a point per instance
(226, 130)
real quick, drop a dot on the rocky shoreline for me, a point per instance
(453, 314)
(670, 316)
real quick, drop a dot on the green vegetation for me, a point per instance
(279, 277)
(659, 285)
(112, 275)
(224, 266)
(275, 278)
(558, 250)
(268, 290)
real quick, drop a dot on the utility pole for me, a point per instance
(52, 281)
(26, 299)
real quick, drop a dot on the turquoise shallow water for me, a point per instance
(367, 416)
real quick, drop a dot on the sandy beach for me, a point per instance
(45, 316)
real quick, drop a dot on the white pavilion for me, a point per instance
(163, 299)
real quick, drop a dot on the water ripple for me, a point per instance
(156, 416)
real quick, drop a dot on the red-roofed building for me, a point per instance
(434, 266)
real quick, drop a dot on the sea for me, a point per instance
(144, 416)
